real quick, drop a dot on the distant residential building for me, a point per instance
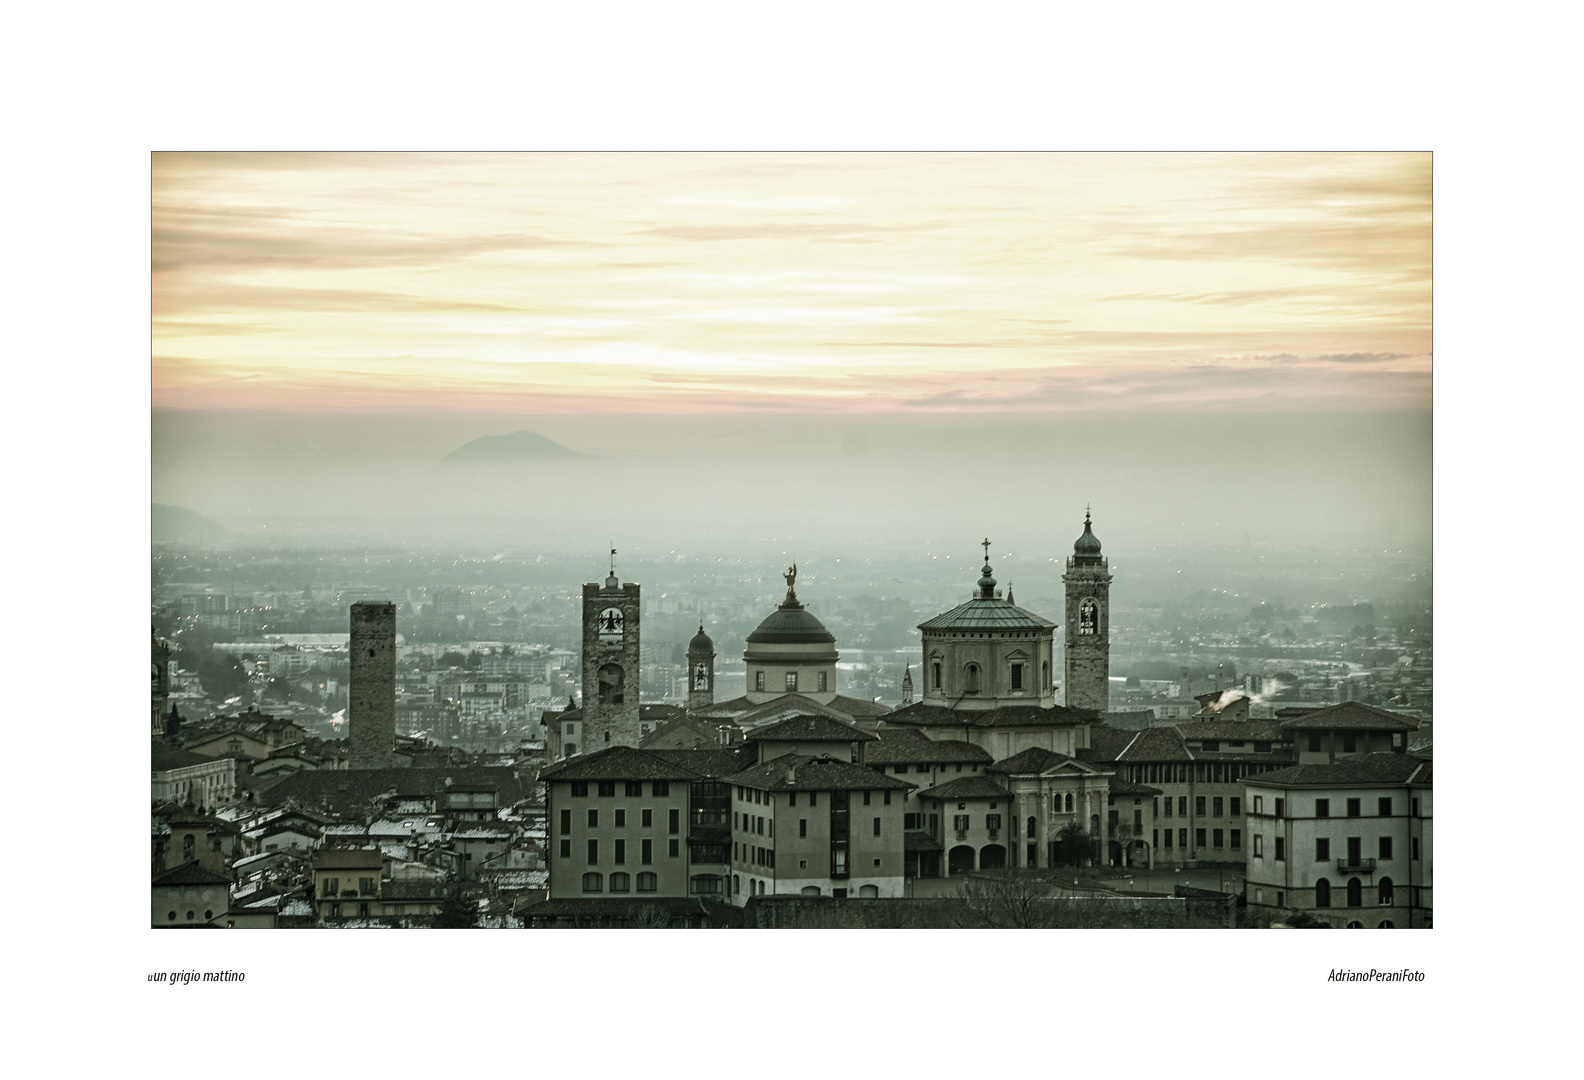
(189, 895)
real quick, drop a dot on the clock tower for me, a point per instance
(610, 664)
(1088, 626)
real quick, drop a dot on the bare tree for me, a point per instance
(1004, 901)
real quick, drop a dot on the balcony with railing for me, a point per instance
(1355, 866)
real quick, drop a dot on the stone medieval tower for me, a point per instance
(1088, 629)
(610, 664)
(701, 670)
(371, 695)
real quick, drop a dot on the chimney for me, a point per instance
(791, 774)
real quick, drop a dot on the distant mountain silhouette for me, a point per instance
(178, 525)
(503, 449)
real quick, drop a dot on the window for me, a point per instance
(593, 882)
(1281, 807)
(911, 821)
(607, 789)
(621, 819)
(674, 849)
(704, 884)
(647, 882)
(675, 821)
(330, 886)
(1281, 849)
(866, 798)
(619, 856)
(1210, 744)
(1199, 838)
(759, 826)
(566, 822)
(888, 797)
(791, 680)
(1353, 809)
(802, 826)
(791, 798)
(1155, 838)
(1385, 888)
(1355, 892)
(1017, 676)
(593, 852)
(971, 677)
(759, 680)
(1182, 806)
(1385, 848)
(633, 789)
(1414, 847)
(593, 819)
(1168, 806)
(935, 675)
(1168, 839)
(1215, 807)
(1384, 808)
(1237, 839)
(1415, 807)
(579, 789)
(1259, 804)
(1323, 849)
(1032, 825)
(1322, 893)
(566, 849)
(1314, 742)
(619, 882)
(824, 680)
(877, 826)
(1216, 839)
(367, 886)
(646, 852)
(1322, 808)
(960, 822)
(1199, 806)
(1236, 806)
(646, 818)
(1182, 838)
(993, 822)
(1349, 743)
(1262, 747)
(813, 798)
(661, 788)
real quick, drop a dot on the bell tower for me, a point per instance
(701, 670)
(610, 664)
(1088, 625)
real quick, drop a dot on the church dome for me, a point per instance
(1087, 544)
(791, 624)
(701, 642)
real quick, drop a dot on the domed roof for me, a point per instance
(701, 642)
(1088, 543)
(791, 624)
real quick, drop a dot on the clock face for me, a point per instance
(610, 623)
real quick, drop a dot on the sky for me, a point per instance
(565, 284)
(809, 345)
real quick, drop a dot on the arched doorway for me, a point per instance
(1113, 853)
(1355, 889)
(992, 857)
(1138, 853)
(960, 860)
(1322, 893)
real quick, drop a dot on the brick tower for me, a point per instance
(610, 664)
(371, 702)
(1088, 627)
